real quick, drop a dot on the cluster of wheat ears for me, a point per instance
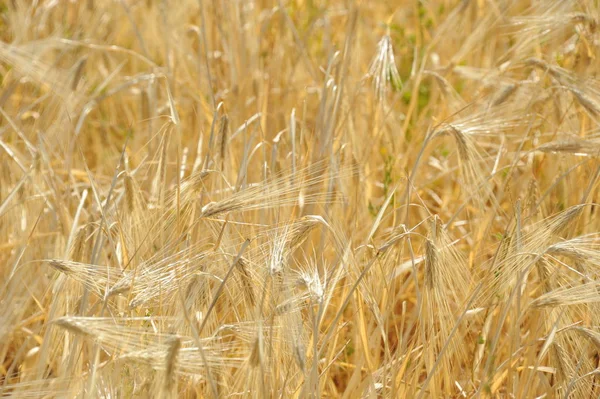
(299, 198)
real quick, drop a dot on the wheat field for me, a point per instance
(299, 199)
